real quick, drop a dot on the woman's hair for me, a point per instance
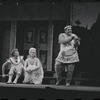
(32, 49)
(13, 51)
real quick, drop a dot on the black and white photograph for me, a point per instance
(49, 50)
(43, 37)
(43, 58)
(29, 37)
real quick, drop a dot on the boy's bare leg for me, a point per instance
(10, 78)
(58, 70)
(16, 79)
(70, 70)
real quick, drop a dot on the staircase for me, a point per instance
(49, 78)
(82, 78)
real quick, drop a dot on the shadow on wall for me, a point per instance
(89, 50)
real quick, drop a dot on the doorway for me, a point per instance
(33, 34)
(5, 27)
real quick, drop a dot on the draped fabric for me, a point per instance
(16, 66)
(68, 53)
(36, 71)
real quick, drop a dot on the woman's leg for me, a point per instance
(26, 78)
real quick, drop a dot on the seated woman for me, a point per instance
(16, 61)
(33, 68)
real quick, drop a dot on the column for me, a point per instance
(12, 36)
(50, 39)
(50, 46)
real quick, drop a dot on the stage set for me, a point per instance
(38, 23)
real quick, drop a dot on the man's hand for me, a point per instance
(77, 42)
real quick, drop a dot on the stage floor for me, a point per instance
(48, 92)
(59, 87)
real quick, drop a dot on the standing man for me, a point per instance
(68, 54)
